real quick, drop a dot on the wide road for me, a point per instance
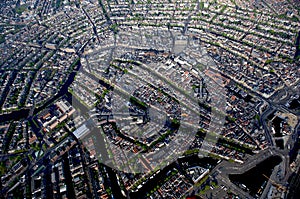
(263, 119)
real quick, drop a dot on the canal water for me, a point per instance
(15, 115)
(24, 113)
(254, 178)
(158, 179)
(297, 46)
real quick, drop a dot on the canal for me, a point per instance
(254, 179)
(297, 53)
(24, 113)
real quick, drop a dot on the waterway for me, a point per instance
(254, 178)
(15, 115)
(297, 46)
(295, 103)
(158, 179)
(62, 91)
(296, 148)
(294, 190)
(24, 113)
